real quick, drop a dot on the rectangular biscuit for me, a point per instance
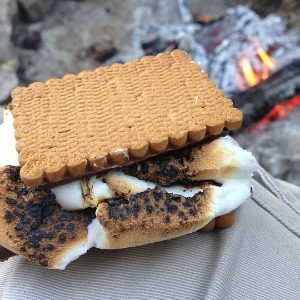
(100, 119)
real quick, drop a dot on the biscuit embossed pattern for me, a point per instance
(99, 119)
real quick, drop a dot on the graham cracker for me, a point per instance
(99, 119)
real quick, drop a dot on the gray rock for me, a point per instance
(2, 108)
(212, 8)
(8, 81)
(8, 10)
(8, 60)
(34, 10)
(65, 39)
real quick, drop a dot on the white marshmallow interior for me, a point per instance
(69, 196)
(99, 189)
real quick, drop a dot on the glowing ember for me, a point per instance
(278, 111)
(281, 110)
(253, 76)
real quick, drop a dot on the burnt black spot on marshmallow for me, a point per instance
(62, 238)
(9, 216)
(41, 256)
(39, 234)
(181, 214)
(19, 227)
(176, 199)
(59, 226)
(145, 167)
(70, 227)
(135, 210)
(173, 172)
(20, 206)
(11, 201)
(157, 195)
(63, 218)
(192, 212)
(171, 208)
(149, 208)
(25, 220)
(20, 235)
(48, 211)
(48, 247)
(36, 245)
(34, 227)
(167, 219)
(22, 191)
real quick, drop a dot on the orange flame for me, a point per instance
(253, 77)
(265, 72)
(266, 59)
(249, 74)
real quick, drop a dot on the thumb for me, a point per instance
(5, 254)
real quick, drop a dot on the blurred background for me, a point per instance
(251, 49)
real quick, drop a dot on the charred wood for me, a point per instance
(258, 101)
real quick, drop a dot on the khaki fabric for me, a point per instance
(257, 258)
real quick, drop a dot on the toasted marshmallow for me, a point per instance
(233, 163)
(225, 198)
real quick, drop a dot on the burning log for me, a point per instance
(258, 101)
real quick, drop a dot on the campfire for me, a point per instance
(247, 56)
(254, 60)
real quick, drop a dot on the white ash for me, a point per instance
(275, 145)
(218, 47)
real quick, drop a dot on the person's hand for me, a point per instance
(5, 254)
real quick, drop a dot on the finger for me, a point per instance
(5, 254)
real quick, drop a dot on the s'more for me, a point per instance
(118, 157)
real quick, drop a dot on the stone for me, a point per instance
(8, 81)
(34, 10)
(8, 10)
(32, 41)
(2, 108)
(8, 62)
(100, 53)
(213, 9)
